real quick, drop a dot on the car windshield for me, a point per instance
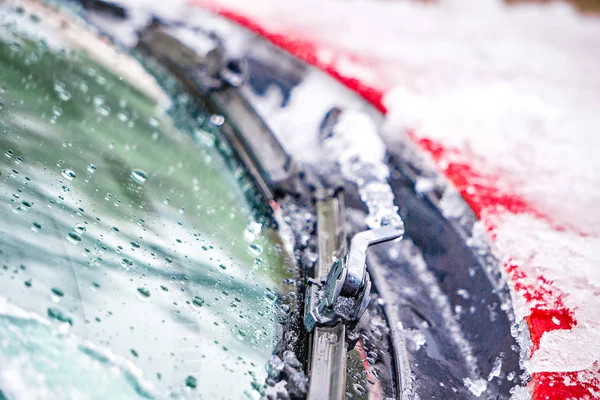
(131, 263)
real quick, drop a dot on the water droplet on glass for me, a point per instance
(270, 294)
(123, 116)
(73, 238)
(80, 227)
(153, 122)
(68, 174)
(358, 389)
(98, 101)
(103, 110)
(217, 120)
(91, 71)
(144, 292)
(139, 176)
(9, 153)
(58, 315)
(198, 301)
(191, 382)
(58, 292)
(126, 263)
(62, 91)
(36, 226)
(255, 249)
(91, 168)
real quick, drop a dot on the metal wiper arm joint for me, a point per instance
(345, 293)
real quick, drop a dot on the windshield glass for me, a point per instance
(131, 263)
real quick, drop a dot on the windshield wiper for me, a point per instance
(339, 292)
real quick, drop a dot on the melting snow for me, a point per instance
(360, 153)
(477, 386)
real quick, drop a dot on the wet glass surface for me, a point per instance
(131, 263)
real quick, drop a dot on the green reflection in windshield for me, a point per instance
(124, 225)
